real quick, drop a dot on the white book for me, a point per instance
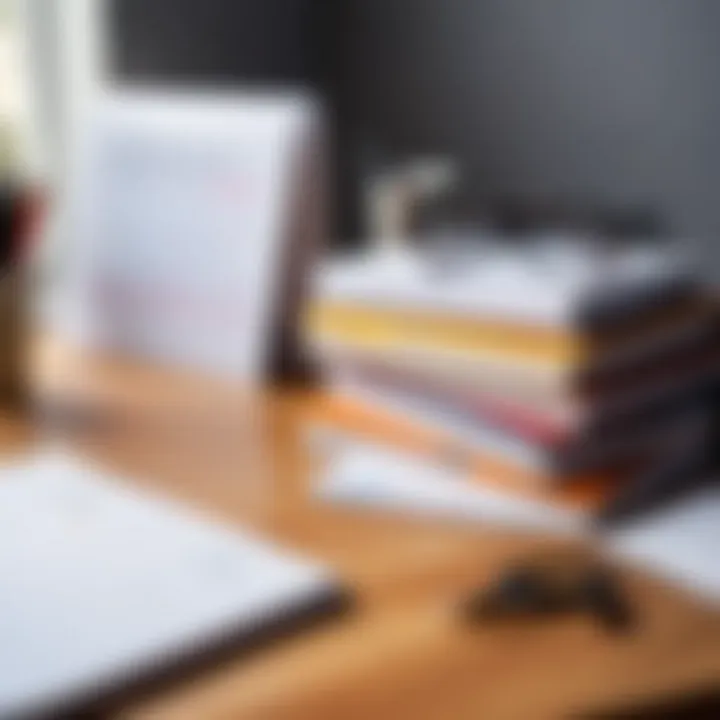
(102, 584)
(552, 283)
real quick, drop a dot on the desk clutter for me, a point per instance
(676, 542)
(562, 372)
(554, 584)
(14, 301)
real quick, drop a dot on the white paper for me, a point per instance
(185, 206)
(374, 477)
(99, 579)
(680, 543)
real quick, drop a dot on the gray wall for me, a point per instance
(617, 99)
(214, 40)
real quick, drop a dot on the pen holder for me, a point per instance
(21, 209)
(14, 340)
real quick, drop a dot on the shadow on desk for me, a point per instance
(704, 704)
(105, 703)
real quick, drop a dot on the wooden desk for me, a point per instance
(403, 653)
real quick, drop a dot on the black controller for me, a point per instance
(549, 587)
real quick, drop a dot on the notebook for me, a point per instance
(103, 586)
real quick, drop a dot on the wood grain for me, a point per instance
(403, 653)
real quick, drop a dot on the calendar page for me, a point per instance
(187, 216)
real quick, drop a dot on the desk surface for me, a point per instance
(402, 653)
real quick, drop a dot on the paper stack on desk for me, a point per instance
(557, 371)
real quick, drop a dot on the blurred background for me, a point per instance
(606, 110)
(528, 99)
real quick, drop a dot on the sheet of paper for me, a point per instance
(369, 476)
(680, 543)
(185, 205)
(100, 581)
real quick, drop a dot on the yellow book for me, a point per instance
(560, 310)
(367, 328)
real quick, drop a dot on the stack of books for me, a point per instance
(558, 371)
